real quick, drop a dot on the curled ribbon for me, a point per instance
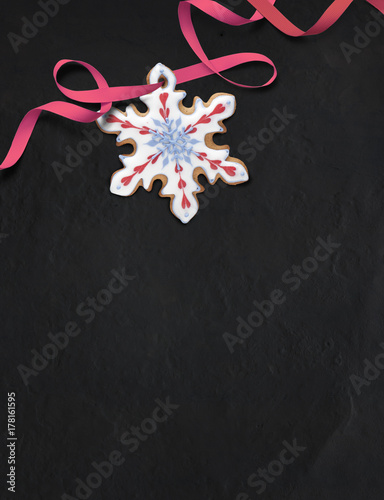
(106, 95)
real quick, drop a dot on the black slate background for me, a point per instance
(163, 335)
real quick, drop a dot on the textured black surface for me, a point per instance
(162, 336)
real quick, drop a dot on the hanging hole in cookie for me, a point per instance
(165, 81)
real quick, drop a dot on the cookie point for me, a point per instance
(244, 175)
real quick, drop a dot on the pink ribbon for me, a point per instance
(105, 94)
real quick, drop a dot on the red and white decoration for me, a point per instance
(172, 143)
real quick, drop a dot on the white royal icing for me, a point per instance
(171, 143)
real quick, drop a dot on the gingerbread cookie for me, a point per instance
(173, 143)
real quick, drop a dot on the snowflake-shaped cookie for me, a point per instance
(173, 143)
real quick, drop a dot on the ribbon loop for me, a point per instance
(220, 13)
(105, 93)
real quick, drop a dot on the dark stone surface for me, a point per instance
(162, 336)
